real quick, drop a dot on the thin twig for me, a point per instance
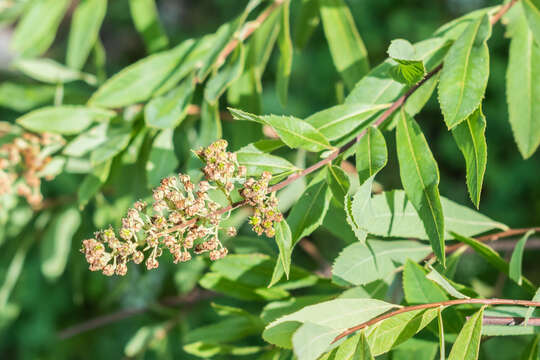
(435, 305)
(189, 299)
(508, 320)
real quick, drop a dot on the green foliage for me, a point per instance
(327, 238)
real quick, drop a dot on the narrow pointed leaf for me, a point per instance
(311, 340)
(307, 22)
(346, 46)
(517, 258)
(467, 344)
(284, 242)
(465, 73)
(409, 68)
(231, 71)
(531, 350)
(531, 309)
(420, 178)
(371, 154)
(418, 289)
(532, 13)
(257, 161)
(84, 31)
(357, 208)
(442, 350)
(92, 183)
(50, 71)
(338, 182)
(523, 89)
(440, 280)
(471, 139)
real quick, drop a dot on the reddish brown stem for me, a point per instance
(508, 321)
(435, 305)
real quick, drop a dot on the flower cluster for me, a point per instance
(21, 162)
(266, 207)
(182, 219)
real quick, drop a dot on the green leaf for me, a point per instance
(531, 350)
(465, 73)
(139, 81)
(389, 333)
(467, 344)
(416, 349)
(294, 132)
(471, 140)
(409, 69)
(339, 120)
(420, 178)
(493, 258)
(169, 110)
(307, 22)
(211, 128)
(391, 214)
(285, 54)
(84, 31)
(138, 343)
(522, 89)
(162, 160)
(56, 244)
(36, 30)
(309, 211)
(146, 19)
(355, 348)
(532, 13)
(86, 141)
(23, 97)
(49, 71)
(360, 264)
(256, 160)
(92, 183)
(346, 45)
(338, 315)
(67, 119)
(443, 282)
(418, 288)
(224, 331)
(531, 309)
(232, 70)
(284, 242)
(338, 182)
(371, 154)
(118, 138)
(517, 258)
(356, 208)
(440, 324)
(311, 340)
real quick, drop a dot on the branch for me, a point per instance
(189, 299)
(435, 305)
(508, 321)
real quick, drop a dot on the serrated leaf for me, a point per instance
(371, 154)
(92, 183)
(56, 244)
(493, 258)
(284, 242)
(465, 73)
(467, 344)
(169, 110)
(139, 81)
(232, 70)
(309, 211)
(146, 18)
(338, 314)
(50, 71)
(522, 89)
(339, 120)
(391, 214)
(66, 120)
(294, 132)
(285, 54)
(517, 258)
(37, 28)
(360, 264)
(471, 140)
(389, 333)
(420, 178)
(409, 69)
(84, 31)
(346, 46)
(256, 161)
(162, 160)
(532, 13)
(356, 207)
(338, 182)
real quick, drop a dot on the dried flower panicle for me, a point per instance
(266, 212)
(182, 220)
(21, 162)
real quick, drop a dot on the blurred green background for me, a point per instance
(511, 191)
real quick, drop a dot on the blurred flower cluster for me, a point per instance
(23, 158)
(183, 219)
